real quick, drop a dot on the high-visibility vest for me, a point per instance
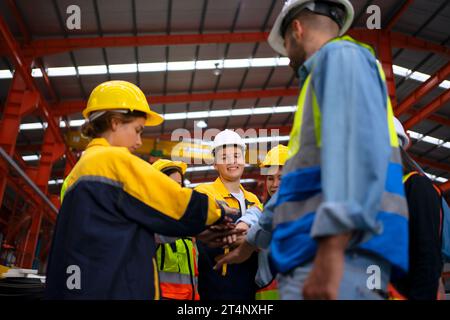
(177, 267)
(300, 192)
(392, 292)
(269, 293)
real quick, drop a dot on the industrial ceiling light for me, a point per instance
(217, 71)
(201, 124)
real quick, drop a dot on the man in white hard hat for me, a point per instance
(234, 282)
(271, 168)
(340, 225)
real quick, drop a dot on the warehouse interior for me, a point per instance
(203, 64)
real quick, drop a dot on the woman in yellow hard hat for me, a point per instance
(173, 169)
(272, 166)
(113, 202)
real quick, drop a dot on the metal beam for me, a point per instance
(20, 22)
(400, 40)
(43, 47)
(438, 165)
(18, 186)
(384, 47)
(70, 107)
(282, 131)
(36, 147)
(58, 45)
(426, 111)
(435, 118)
(27, 180)
(431, 163)
(445, 187)
(19, 103)
(22, 67)
(50, 152)
(27, 38)
(398, 14)
(424, 89)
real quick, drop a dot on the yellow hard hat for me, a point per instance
(277, 156)
(120, 95)
(163, 164)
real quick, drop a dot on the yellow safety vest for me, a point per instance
(177, 266)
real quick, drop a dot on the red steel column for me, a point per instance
(20, 101)
(385, 55)
(52, 150)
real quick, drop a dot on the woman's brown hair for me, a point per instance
(95, 128)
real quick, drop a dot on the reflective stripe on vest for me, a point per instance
(174, 278)
(409, 175)
(300, 192)
(178, 291)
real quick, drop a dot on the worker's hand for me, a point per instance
(238, 239)
(238, 255)
(226, 209)
(325, 277)
(225, 225)
(235, 239)
(215, 237)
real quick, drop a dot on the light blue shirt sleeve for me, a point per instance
(355, 144)
(250, 217)
(260, 234)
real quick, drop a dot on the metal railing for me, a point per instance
(27, 179)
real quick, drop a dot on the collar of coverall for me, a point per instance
(305, 69)
(220, 187)
(102, 142)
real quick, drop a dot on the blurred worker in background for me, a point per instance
(272, 167)
(112, 204)
(176, 257)
(235, 282)
(425, 228)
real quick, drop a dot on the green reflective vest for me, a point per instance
(177, 265)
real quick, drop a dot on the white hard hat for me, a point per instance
(276, 40)
(227, 138)
(404, 139)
